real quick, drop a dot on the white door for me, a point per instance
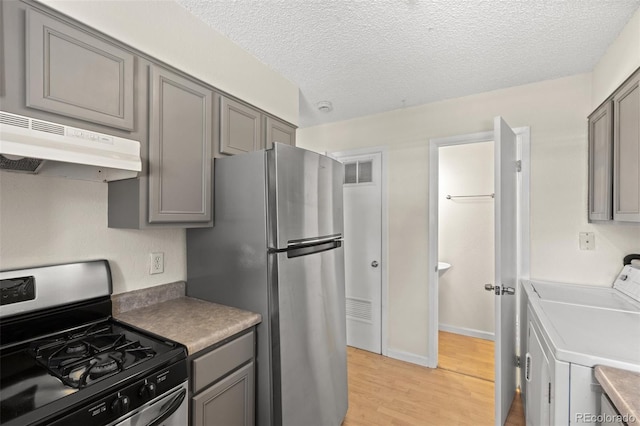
(505, 266)
(363, 249)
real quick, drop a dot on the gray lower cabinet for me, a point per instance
(614, 156)
(279, 131)
(74, 73)
(610, 416)
(626, 151)
(223, 385)
(240, 127)
(229, 402)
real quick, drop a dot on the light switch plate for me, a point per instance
(587, 241)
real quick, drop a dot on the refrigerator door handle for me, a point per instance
(313, 249)
(291, 244)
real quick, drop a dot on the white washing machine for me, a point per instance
(569, 330)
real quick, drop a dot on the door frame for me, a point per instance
(523, 135)
(384, 261)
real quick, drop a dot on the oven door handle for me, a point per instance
(169, 408)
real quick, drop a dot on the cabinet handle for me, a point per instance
(527, 367)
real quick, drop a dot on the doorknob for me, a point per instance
(374, 264)
(494, 288)
(508, 290)
(500, 291)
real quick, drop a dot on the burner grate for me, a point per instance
(81, 358)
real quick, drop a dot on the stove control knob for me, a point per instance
(148, 390)
(120, 405)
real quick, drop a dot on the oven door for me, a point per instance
(170, 409)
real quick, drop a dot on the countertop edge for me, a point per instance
(621, 395)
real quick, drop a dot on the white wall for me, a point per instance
(556, 110)
(45, 220)
(620, 60)
(465, 236)
(167, 31)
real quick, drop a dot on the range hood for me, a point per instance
(34, 146)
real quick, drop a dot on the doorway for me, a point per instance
(365, 247)
(466, 259)
(511, 221)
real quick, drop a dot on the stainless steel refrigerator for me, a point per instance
(276, 249)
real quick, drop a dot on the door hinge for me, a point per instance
(517, 361)
(549, 393)
(518, 166)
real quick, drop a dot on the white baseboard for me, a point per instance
(409, 357)
(467, 332)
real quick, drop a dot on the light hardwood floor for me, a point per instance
(385, 391)
(466, 355)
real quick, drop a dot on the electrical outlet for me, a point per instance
(587, 241)
(157, 263)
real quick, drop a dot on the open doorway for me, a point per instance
(511, 239)
(466, 259)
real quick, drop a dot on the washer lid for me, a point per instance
(590, 336)
(628, 281)
(586, 295)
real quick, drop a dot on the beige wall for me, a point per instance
(556, 111)
(167, 31)
(620, 60)
(52, 220)
(45, 220)
(465, 237)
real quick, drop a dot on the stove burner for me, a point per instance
(76, 348)
(84, 357)
(103, 366)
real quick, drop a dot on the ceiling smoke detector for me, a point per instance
(325, 106)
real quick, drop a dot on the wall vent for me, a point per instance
(359, 309)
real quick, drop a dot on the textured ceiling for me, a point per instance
(372, 56)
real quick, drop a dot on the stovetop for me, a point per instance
(76, 364)
(82, 357)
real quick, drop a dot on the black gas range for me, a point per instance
(65, 361)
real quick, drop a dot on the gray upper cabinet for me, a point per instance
(626, 151)
(77, 74)
(600, 162)
(180, 132)
(240, 127)
(614, 155)
(278, 131)
(2, 36)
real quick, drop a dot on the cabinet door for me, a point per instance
(73, 73)
(626, 149)
(180, 164)
(230, 402)
(240, 127)
(538, 394)
(277, 131)
(600, 162)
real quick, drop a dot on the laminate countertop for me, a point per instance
(195, 323)
(622, 387)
